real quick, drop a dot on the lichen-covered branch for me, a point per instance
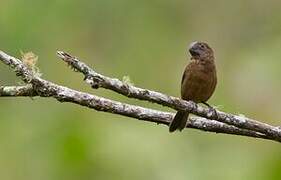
(64, 94)
(39, 87)
(97, 80)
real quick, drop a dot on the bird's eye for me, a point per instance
(202, 46)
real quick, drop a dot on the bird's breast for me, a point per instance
(199, 82)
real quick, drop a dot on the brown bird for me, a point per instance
(198, 81)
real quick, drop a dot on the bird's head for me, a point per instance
(201, 51)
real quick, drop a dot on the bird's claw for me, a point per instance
(212, 110)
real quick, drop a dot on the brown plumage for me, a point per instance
(198, 81)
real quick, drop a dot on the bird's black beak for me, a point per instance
(194, 52)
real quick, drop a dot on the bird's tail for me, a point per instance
(179, 121)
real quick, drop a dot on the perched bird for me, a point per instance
(198, 81)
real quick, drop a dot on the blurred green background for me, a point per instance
(147, 40)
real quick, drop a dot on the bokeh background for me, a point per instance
(146, 40)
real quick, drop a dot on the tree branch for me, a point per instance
(64, 94)
(40, 87)
(97, 80)
(16, 91)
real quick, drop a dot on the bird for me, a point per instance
(198, 82)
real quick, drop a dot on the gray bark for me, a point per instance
(209, 120)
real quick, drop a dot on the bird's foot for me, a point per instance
(212, 110)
